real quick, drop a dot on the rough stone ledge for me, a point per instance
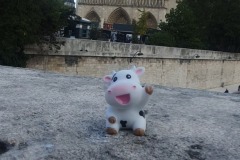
(53, 116)
(95, 48)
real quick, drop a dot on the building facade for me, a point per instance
(109, 12)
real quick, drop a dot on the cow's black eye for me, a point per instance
(114, 79)
(128, 76)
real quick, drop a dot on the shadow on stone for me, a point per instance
(194, 152)
(22, 145)
(3, 147)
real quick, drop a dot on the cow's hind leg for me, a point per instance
(138, 132)
(139, 126)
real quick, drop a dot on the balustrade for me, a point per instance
(137, 3)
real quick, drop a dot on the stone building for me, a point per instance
(109, 12)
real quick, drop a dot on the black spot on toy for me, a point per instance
(141, 113)
(123, 123)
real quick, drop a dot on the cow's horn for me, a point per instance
(133, 67)
(113, 72)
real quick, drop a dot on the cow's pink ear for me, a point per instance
(107, 78)
(139, 71)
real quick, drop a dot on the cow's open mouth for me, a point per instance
(123, 99)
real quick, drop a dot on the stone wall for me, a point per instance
(177, 67)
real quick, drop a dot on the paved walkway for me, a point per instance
(47, 116)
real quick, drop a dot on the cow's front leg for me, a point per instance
(139, 126)
(112, 125)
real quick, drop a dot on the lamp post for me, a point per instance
(196, 56)
(70, 3)
(138, 53)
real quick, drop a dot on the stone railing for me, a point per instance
(136, 3)
(168, 66)
(85, 47)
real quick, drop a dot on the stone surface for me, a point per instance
(52, 116)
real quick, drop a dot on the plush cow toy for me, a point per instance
(126, 98)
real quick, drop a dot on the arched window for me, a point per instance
(119, 16)
(151, 21)
(93, 16)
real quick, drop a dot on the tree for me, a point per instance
(161, 38)
(25, 22)
(203, 24)
(182, 25)
(219, 23)
(223, 29)
(140, 27)
(94, 33)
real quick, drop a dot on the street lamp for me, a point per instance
(196, 56)
(70, 3)
(138, 53)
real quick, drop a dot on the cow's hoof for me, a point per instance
(149, 90)
(111, 131)
(138, 132)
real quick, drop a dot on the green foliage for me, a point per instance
(202, 24)
(224, 26)
(161, 39)
(26, 22)
(140, 26)
(182, 25)
(94, 34)
(219, 22)
(134, 36)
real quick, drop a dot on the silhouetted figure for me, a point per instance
(226, 91)
(239, 88)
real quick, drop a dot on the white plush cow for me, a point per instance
(126, 98)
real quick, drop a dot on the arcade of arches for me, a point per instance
(124, 11)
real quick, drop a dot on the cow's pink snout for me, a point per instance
(120, 89)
